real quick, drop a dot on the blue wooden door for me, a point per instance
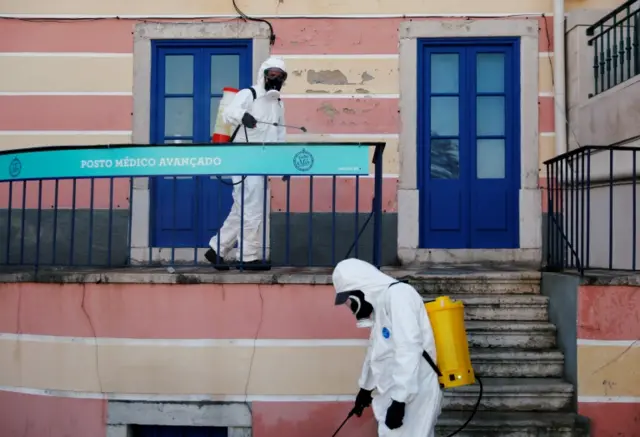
(469, 143)
(179, 431)
(187, 82)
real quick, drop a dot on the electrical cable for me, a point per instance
(272, 37)
(141, 20)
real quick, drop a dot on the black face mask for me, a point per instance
(273, 83)
(359, 306)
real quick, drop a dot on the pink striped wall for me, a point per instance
(61, 113)
(607, 314)
(301, 312)
(43, 195)
(295, 36)
(26, 415)
(309, 419)
(307, 36)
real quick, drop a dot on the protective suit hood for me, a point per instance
(271, 62)
(354, 274)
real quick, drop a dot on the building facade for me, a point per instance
(465, 95)
(110, 80)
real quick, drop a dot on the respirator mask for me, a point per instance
(361, 309)
(274, 79)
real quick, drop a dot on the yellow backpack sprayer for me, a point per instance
(454, 361)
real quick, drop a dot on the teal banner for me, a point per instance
(241, 159)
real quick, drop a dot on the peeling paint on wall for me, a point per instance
(366, 77)
(327, 77)
(328, 109)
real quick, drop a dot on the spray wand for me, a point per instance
(351, 413)
(464, 425)
(302, 128)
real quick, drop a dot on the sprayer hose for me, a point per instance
(473, 413)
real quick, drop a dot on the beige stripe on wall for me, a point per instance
(66, 74)
(609, 371)
(145, 369)
(26, 140)
(309, 76)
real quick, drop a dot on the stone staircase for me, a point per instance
(513, 351)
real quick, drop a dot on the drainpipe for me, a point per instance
(559, 77)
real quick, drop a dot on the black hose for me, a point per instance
(464, 425)
(473, 413)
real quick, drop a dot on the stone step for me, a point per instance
(502, 307)
(521, 335)
(512, 394)
(517, 363)
(512, 424)
(451, 282)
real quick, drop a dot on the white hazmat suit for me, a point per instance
(394, 365)
(267, 108)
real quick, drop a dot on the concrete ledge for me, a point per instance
(236, 417)
(284, 275)
(220, 414)
(429, 256)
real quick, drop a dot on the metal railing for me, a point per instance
(116, 221)
(592, 209)
(616, 46)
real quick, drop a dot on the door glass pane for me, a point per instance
(490, 72)
(444, 73)
(490, 115)
(178, 74)
(445, 159)
(444, 116)
(178, 117)
(214, 104)
(178, 141)
(490, 162)
(225, 71)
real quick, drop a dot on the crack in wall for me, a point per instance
(615, 359)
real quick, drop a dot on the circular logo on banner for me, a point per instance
(15, 167)
(386, 333)
(303, 160)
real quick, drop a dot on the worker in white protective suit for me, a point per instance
(253, 116)
(408, 399)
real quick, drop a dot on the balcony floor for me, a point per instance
(287, 275)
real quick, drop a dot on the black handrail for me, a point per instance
(616, 46)
(591, 29)
(593, 178)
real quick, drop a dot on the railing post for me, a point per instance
(549, 212)
(377, 205)
(612, 50)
